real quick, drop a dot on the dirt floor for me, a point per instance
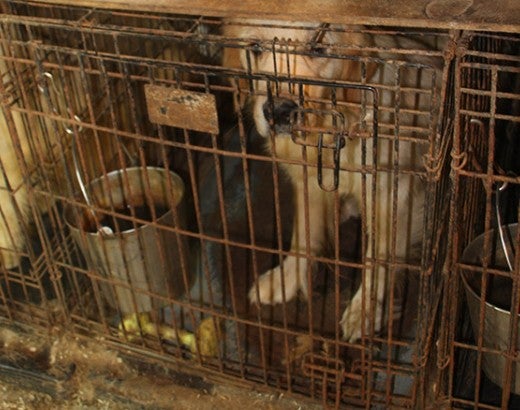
(65, 372)
(178, 397)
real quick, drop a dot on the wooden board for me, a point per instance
(497, 15)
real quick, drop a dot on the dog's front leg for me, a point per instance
(283, 282)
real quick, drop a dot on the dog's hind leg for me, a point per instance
(369, 299)
(355, 314)
(14, 202)
(11, 236)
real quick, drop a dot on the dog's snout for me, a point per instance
(279, 111)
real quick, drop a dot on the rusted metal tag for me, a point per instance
(180, 108)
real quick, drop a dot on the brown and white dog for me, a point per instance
(397, 194)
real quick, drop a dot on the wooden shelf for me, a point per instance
(496, 15)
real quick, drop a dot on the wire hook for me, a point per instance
(500, 227)
(69, 131)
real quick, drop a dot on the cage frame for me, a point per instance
(475, 22)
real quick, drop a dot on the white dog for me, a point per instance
(396, 162)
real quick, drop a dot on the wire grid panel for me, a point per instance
(483, 341)
(164, 199)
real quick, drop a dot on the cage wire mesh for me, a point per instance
(158, 165)
(483, 340)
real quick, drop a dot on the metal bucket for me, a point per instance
(138, 259)
(496, 332)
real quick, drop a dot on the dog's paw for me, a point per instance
(11, 235)
(9, 260)
(350, 323)
(270, 290)
(352, 320)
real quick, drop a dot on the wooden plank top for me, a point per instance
(496, 15)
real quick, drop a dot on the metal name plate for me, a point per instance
(183, 109)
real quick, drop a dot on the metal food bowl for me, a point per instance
(496, 332)
(138, 260)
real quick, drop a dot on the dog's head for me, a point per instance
(284, 51)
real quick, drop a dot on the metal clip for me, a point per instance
(318, 36)
(340, 143)
(299, 131)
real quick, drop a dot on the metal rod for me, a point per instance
(500, 227)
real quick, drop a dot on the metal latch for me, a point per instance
(321, 129)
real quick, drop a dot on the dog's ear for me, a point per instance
(352, 69)
(231, 59)
(352, 73)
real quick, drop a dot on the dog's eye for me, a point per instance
(317, 49)
(256, 49)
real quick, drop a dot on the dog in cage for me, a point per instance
(36, 151)
(377, 178)
(19, 154)
(39, 141)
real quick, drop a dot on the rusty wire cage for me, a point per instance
(482, 343)
(147, 205)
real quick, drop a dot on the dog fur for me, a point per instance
(15, 207)
(314, 206)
